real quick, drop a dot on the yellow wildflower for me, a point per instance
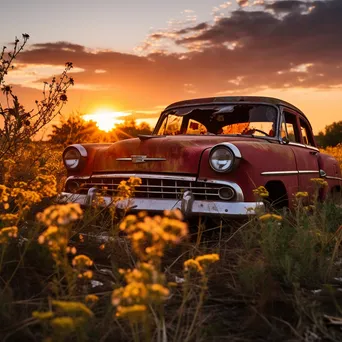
(8, 233)
(4, 194)
(192, 264)
(261, 191)
(301, 194)
(150, 236)
(72, 308)
(207, 259)
(82, 261)
(9, 218)
(86, 274)
(133, 312)
(266, 217)
(91, 298)
(201, 263)
(63, 324)
(62, 214)
(42, 315)
(320, 182)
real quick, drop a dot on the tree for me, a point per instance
(332, 135)
(129, 129)
(18, 126)
(74, 130)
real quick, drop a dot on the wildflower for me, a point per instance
(9, 218)
(91, 298)
(201, 263)
(302, 194)
(86, 274)
(4, 194)
(71, 250)
(81, 238)
(62, 214)
(266, 217)
(81, 261)
(150, 236)
(319, 182)
(207, 259)
(192, 264)
(261, 191)
(72, 308)
(133, 312)
(63, 324)
(45, 185)
(42, 315)
(158, 292)
(126, 188)
(102, 247)
(8, 233)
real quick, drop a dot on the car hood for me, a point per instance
(170, 154)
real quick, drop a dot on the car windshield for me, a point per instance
(249, 119)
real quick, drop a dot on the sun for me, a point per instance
(105, 120)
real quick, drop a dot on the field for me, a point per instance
(68, 274)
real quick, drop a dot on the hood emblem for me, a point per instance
(140, 159)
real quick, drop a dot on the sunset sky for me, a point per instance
(137, 57)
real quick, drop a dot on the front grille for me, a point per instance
(156, 187)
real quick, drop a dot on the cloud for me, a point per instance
(244, 52)
(242, 3)
(287, 6)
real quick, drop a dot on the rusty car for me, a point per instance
(205, 157)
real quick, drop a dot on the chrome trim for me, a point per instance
(192, 208)
(307, 171)
(276, 173)
(232, 147)
(140, 159)
(77, 177)
(139, 175)
(226, 198)
(239, 197)
(322, 173)
(80, 148)
(238, 191)
(296, 144)
(335, 178)
(286, 173)
(312, 148)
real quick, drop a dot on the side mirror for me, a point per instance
(285, 140)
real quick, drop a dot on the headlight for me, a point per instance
(223, 158)
(74, 156)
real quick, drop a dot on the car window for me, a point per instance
(306, 133)
(290, 126)
(249, 119)
(195, 127)
(171, 125)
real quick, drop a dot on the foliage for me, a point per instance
(332, 136)
(73, 130)
(76, 130)
(336, 152)
(19, 125)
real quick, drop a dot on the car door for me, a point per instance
(300, 139)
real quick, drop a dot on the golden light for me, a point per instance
(105, 120)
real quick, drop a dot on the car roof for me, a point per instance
(229, 99)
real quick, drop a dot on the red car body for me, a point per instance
(205, 157)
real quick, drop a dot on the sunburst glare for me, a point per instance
(106, 120)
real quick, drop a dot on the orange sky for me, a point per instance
(285, 49)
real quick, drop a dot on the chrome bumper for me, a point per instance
(187, 204)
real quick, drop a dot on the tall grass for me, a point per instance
(90, 275)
